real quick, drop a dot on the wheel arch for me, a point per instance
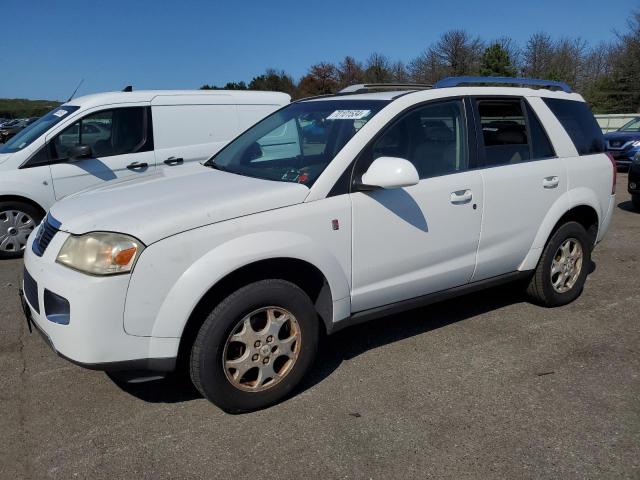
(20, 198)
(297, 271)
(582, 209)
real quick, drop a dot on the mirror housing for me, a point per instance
(79, 152)
(389, 173)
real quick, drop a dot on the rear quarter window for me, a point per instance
(579, 123)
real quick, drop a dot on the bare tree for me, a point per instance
(538, 56)
(459, 52)
(378, 69)
(427, 67)
(350, 72)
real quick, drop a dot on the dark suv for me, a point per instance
(634, 181)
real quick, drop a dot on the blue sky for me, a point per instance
(48, 46)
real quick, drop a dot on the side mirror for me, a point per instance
(388, 173)
(79, 152)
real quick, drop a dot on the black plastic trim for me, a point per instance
(397, 307)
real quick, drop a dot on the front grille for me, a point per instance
(45, 234)
(31, 291)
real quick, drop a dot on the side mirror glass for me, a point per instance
(79, 152)
(388, 173)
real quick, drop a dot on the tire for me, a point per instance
(17, 221)
(541, 288)
(635, 198)
(225, 386)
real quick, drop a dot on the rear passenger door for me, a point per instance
(522, 179)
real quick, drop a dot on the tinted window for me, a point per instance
(108, 133)
(36, 129)
(540, 145)
(432, 137)
(578, 121)
(504, 131)
(296, 143)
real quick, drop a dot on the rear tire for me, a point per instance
(17, 221)
(635, 198)
(563, 267)
(255, 346)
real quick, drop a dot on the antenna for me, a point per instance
(74, 92)
(128, 88)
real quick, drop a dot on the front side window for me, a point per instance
(37, 128)
(632, 126)
(296, 143)
(432, 137)
(108, 133)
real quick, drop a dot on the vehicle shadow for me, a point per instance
(627, 206)
(353, 341)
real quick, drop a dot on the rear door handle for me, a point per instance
(137, 166)
(461, 196)
(174, 161)
(550, 182)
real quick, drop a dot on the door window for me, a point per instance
(108, 133)
(511, 133)
(432, 137)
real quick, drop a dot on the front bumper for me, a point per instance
(92, 334)
(624, 158)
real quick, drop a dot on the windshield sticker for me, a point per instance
(60, 113)
(348, 114)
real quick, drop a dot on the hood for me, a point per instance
(622, 136)
(4, 157)
(172, 200)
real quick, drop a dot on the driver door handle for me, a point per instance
(137, 166)
(174, 161)
(461, 196)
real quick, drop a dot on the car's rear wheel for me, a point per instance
(17, 221)
(635, 198)
(255, 346)
(563, 267)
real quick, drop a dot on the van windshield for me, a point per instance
(25, 137)
(296, 143)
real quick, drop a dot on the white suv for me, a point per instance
(331, 211)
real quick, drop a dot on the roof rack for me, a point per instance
(458, 81)
(370, 87)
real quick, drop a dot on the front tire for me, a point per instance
(17, 221)
(255, 346)
(563, 267)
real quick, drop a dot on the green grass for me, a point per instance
(20, 107)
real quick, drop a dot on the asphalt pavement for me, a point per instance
(484, 386)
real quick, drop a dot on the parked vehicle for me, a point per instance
(9, 131)
(624, 143)
(234, 267)
(116, 135)
(634, 181)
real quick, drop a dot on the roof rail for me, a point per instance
(368, 87)
(457, 81)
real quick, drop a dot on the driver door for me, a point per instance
(121, 147)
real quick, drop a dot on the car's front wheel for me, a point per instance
(17, 221)
(255, 346)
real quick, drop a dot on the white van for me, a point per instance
(114, 135)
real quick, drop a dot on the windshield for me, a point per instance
(296, 143)
(28, 135)
(632, 126)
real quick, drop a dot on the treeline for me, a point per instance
(23, 108)
(607, 74)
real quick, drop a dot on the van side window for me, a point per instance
(108, 132)
(504, 132)
(578, 121)
(432, 137)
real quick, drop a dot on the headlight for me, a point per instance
(636, 143)
(100, 253)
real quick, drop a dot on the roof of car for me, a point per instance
(135, 96)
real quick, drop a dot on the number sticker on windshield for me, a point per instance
(60, 113)
(348, 114)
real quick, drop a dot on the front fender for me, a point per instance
(186, 286)
(569, 200)
(32, 183)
